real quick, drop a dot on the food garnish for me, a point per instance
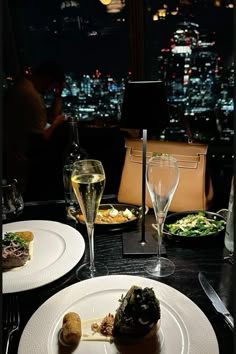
(196, 225)
(138, 312)
(111, 216)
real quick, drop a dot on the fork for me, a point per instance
(12, 319)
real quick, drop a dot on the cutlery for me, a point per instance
(12, 319)
(215, 299)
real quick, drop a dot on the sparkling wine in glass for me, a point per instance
(88, 182)
(162, 179)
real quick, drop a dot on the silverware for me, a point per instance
(215, 299)
(11, 322)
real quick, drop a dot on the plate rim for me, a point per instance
(70, 257)
(119, 281)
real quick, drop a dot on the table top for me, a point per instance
(189, 260)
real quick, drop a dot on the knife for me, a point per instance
(215, 299)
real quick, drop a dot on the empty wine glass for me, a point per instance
(88, 182)
(162, 179)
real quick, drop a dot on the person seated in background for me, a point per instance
(31, 153)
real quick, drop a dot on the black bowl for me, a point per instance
(174, 217)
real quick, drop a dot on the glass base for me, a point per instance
(159, 267)
(83, 272)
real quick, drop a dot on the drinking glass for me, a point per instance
(162, 179)
(88, 182)
(12, 200)
(229, 232)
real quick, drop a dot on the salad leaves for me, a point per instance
(195, 225)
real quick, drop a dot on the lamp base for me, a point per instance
(132, 245)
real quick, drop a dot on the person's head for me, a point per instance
(47, 76)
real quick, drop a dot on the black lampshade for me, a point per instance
(145, 106)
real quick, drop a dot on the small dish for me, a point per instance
(136, 210)
(174, 217)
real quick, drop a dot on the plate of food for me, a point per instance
(111, 216)
(37, 252)
(118, 314)
(194, 225)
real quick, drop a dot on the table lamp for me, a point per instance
(144, 107)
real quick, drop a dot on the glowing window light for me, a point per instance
(161, 12)
(155, 17)
(217, 3)
(105, 2)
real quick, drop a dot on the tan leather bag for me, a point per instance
(194, 190)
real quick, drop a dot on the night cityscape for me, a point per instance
(192, 60)
(193, 55)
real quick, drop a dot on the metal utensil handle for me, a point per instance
(230, 321)
(7, 343)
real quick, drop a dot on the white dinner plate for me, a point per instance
(56, 249)
(184, 327)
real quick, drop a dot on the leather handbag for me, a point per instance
(194, 190)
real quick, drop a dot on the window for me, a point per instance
(101, 44)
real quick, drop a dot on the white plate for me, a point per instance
(184, 327)
(56, 249)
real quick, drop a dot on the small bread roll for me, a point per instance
(71, 329)
(26, 235)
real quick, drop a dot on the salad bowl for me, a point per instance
(194, 226)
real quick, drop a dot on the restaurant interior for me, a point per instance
(153, 106)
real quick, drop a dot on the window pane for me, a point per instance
(90, 40)
(190, 46)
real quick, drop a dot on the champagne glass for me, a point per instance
(88, 182)
(162, 179)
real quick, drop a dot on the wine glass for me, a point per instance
(88, 182)
(162, 179)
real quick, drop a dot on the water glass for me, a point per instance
(12, 200)
(229, 234)
(70, 198)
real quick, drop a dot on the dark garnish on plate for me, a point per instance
(138, 313)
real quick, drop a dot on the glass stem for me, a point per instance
(159, 240)
(90, 230)
(160, 224)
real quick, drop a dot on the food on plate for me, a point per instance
(195, 225)
(16, 249)
(138, 314)
(111, 216)
(71, 328)
(105, 327)
(26, 235)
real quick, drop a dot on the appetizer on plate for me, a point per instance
(16, 250)
(111, 216)
(138, 316)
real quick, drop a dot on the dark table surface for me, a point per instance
(189, 260)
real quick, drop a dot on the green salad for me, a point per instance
(195, 225)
